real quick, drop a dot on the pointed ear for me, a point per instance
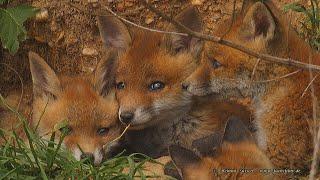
(246, 4)
(113, 32)
(258, 24)
(236, 131)
(183, 157)
(190, 18)
(45, 80)
(171, 170)
(208, 146)
(105, 73)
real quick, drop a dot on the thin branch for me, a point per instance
(102, 13)
(305, 91)
(125, 20)
(316, 138)
(221, 41)
(233, 18)
(279, 78)
(117, 138)
(142, 27)
(254, 69)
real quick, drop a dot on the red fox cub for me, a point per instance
(149, 69)
(231, 154)
(279, 107)
(87, 104)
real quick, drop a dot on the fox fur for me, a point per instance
(280, 111)
(88, 107)
(149, 68)
(233, 149)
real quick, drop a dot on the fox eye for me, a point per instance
(120, 85)
(66, 130)
(157, 85)
(103, 131)
(216, 64)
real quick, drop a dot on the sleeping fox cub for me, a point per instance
(88, 107)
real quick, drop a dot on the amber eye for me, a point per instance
(216, 64)
(120, 85)
(103, 131)
(157, 85)
(67, 130)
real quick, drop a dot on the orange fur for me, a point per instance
(232, 148)
(76, 100)
(169, 114)
(279, 108)
(246, 156)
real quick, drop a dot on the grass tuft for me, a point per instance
(38, 158)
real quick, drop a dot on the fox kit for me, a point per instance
(279, 107)
(231, 154)
(85, 103)
(149, 69)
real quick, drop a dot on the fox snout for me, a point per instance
(88, 156)
(137, 117)
(126, 117)
(198, 82)
(95, 156)
(185, 85)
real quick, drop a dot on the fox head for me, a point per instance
(232, 148)
(86, 104)
(150, 67)
(260, 27)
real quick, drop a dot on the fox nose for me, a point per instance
(126, 117)
(185, 85)
(89, 156)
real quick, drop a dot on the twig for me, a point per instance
(316, 139)
(127, 21)
(278, 78)
(20, 79)
(233, 18)
(142, 27)
(254, 69)
(305, 91)
(101, 13)
(315, 161)
(117, 138)
(221, 41)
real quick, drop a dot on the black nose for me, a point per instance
(89, 156)
(126, 117)
(185, 85)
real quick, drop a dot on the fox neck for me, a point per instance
(180, 130)
(241, 87)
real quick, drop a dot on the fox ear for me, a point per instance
(207, 146)
(45, 80)
(190, 18)
(113, 32)
(236, 131)
(105, 73)
(171, 170)
(183, 157)
(258, 23)
(247, 4)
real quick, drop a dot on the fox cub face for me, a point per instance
(260, 27)
(88, 107)
(150, 68)
(233, 148)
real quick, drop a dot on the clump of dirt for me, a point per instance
(68, 38)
